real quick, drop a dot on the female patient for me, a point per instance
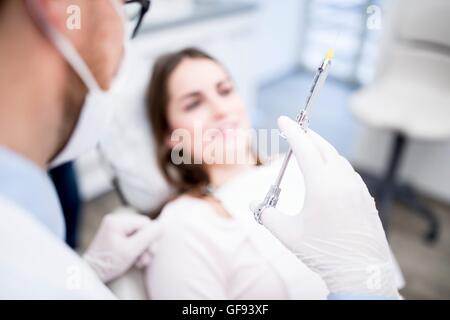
(211, 246)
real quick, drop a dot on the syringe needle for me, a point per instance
(272, 195)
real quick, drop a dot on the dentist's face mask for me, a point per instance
(98, 106)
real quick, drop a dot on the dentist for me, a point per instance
(53, 107)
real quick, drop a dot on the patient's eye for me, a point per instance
(225, 88)
(192, 105)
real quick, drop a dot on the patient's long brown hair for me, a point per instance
(191, 178)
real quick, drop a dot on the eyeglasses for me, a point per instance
(135, 11)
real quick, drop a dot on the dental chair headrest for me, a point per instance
(128, 146)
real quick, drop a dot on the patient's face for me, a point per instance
(203, 101)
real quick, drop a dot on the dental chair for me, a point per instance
(410, 97)
(127, 154)
(137, 181)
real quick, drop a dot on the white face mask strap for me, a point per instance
(66, 49)
(118, 6)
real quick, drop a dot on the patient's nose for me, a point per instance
(218, 107)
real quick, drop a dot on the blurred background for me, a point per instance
(385, 106)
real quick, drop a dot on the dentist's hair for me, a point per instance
(191, 178)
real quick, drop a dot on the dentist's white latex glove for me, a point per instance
(123, 240)
(338, 233)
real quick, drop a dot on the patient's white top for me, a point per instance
(204, 255)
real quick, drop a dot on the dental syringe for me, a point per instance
(302, 119)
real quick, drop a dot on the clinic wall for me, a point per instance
(279, 26)
(425, 165)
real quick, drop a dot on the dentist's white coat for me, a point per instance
(34, 264)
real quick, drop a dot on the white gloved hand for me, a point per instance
(338, 233)
(123, 240)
